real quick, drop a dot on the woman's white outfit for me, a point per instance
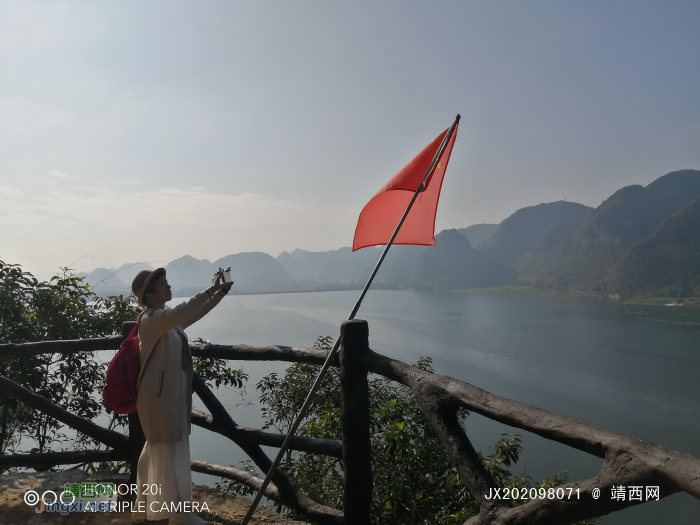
(164, 404)
(166, 465)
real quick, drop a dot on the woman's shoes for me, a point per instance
(186, 518)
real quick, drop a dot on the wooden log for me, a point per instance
(324, 447)
(232, 352)
(235, 474)
(69, 457)
(578, 501)
(443, 418)
(354, 401)
(127, 327)
(63, 347)
(290, 495)
(103, 435)
(680, 468)
(262, 353)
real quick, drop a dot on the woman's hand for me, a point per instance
(218, 281)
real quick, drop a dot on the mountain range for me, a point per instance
(252, 272)
(620, 247)
(639, 241)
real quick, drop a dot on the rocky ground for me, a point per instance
(223, 510)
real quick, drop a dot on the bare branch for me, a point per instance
(69, 457)
(325, 447)
(578, 503)
(65, 347)
(235, 474)
(262, 353)
(442, 417)
(233, 352)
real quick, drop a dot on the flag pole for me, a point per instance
(331, 354)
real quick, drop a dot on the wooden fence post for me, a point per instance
(357, 465)
(136, 438)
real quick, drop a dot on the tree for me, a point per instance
(64, 308)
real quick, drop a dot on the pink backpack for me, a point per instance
(119, 392)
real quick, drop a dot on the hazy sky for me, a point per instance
(143, 131)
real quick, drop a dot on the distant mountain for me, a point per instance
(344, 265)
(128, 271)
(255, 271)
(452, 263)
(105, 281)
(304, 265)
(478, 233)
(629, 215)
(541, 226)
(187, 273)
(634, 212)
(334, 265)
(401, 263)
(666, 263)
(252, 272)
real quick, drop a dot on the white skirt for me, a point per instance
(164, 475)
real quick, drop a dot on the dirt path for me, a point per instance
(223, 510)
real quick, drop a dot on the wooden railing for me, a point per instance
(629, 461)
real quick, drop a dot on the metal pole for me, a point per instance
(331, 354)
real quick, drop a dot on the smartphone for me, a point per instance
(227, 276)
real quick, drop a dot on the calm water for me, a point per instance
(630, 368)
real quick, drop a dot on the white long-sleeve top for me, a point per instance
(162, 363)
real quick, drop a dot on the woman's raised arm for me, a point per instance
(167, 319)
(204, 310)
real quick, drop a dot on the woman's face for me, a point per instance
(161, 291)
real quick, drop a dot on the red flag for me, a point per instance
(383, 212)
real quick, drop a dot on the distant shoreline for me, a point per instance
(525, 291)
(511, 291)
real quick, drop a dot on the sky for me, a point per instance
(138, 131)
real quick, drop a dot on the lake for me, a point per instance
(628, 367)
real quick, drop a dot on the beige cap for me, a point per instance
(140, 283)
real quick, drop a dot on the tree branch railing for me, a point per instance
(324, 447)
(40, 403)
(70, 457)
(629, 461)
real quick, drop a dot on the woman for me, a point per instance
(164, 400)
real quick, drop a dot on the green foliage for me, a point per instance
(217, 371)
(280, 411)
(414, 480)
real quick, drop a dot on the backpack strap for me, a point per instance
(135, 329)
(138, 323)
